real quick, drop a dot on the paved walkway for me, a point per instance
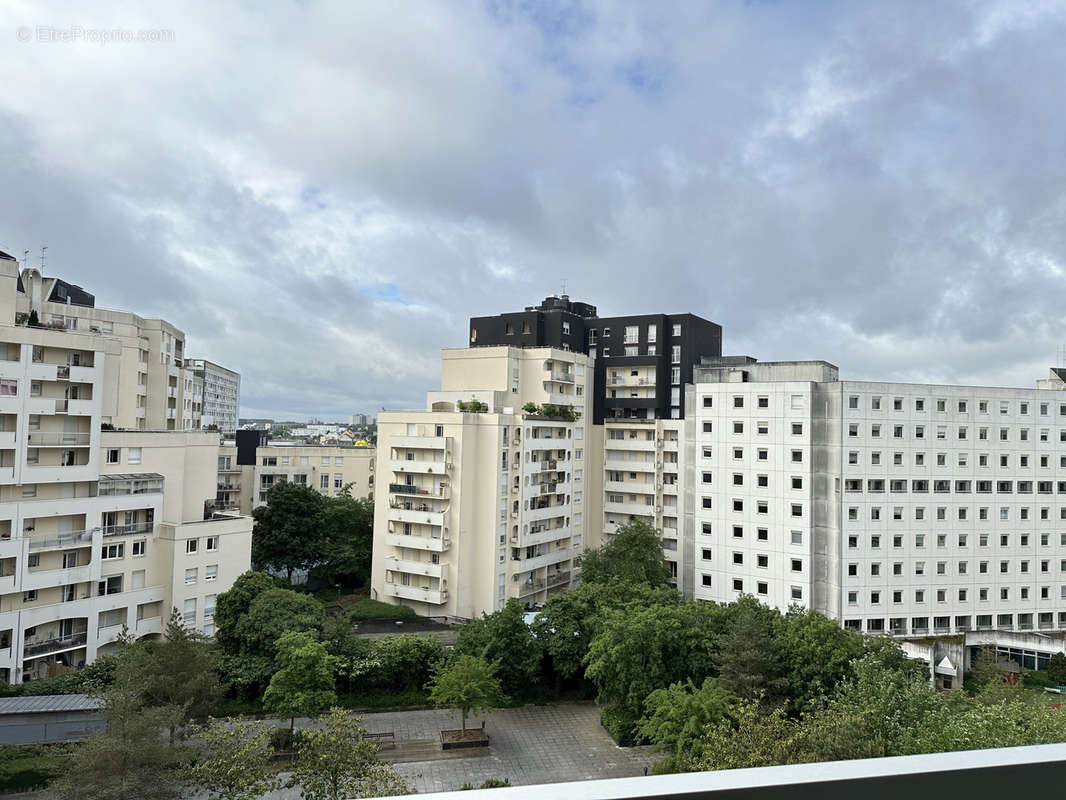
(528, 745)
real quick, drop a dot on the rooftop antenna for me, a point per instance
(44, 249)
(564, 287)
(25, 259)
(1060, 357)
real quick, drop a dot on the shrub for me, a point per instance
(491, 783)
(401, 663)
(621, 724)
(375, 609)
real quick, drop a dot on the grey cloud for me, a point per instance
(321, 194)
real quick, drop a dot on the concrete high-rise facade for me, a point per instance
(482, 497)
(220, 389)
(909, 509)
(99, 528)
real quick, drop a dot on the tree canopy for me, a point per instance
(634, 555)
(303, 684)
(503, 638)
(287, 534)
(466, 682)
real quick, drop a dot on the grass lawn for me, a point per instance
(25, 767)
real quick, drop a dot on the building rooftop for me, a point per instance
(46, 703)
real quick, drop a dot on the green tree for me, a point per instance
(347, 526)
(303, 685)
(749, 662)
(1056, 669)
(634, 554)
(753, 737)
(504, 638)
(233, 604)
(288, 533)
(467, 683)
(234, 762)
(128, 759)
(404, 662)
(334, 763)
(569, 621)
(817, 654)
(270, 615)
(179, 672)
(676, 719)
(641, 649)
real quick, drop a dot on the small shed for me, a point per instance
(46, 719)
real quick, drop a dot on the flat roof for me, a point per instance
(41, 704)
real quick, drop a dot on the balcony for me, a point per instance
(58, 439)
(57, 645)
(560, 376)
(429, 467)
(547, 512)
(531, 587)
(61, 540)
(432, 596)
(434, 544)
(420, 442)
(426, 568)
(402, 488)
(647, 445)
(558, 579)
(48, 578)
(149, 625)
(424, 516)
(130, 529)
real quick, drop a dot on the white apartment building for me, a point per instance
(329, 469)
(221, 394)
(98, 529)
(909, 509)
(483, 501)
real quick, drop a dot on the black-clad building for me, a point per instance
(670, 343)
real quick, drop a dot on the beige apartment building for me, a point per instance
(152, 383)
(481, 500)
(99, 529)
(329, 469)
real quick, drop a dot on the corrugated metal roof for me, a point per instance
(51, 702)
(127, 476)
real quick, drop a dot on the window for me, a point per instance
(210, 572)
(738, 585)
(797, 456)
(675, 330)
(133, 455)
(30, 596)
(110, 551)
(138, 547)
(212, 544)
(797, 537)
(764, 402)
(853, 401)
(706, 555)
(190, 576)
(323, 480)
(708, 401)
(191, 545)
(113, 455)
(706, 579)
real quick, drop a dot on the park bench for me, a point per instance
(386, 739)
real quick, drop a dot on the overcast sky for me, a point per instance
(322, 194)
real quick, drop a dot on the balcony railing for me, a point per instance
(34, 649)
(531, 588)
(62, 540)
(58, 438)
(403, 488)
(127, 530)
(558, 578)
